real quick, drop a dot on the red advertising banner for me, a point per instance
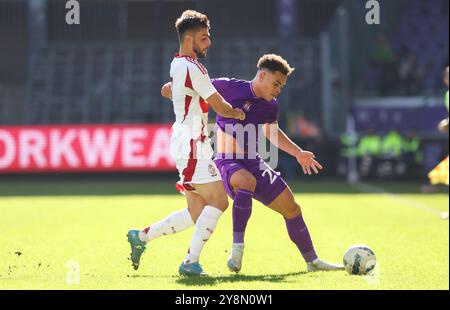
(85, 148)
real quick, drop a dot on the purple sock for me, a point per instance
(242, 209)
(300, 236)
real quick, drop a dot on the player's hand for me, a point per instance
(166, 90)
(443, 125)
(240, 115)
(307, 161)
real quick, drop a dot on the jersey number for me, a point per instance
(272, 177)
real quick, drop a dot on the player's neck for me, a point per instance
(185, 52)
(255, 89)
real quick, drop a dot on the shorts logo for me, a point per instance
(247, 106)
(212, 171)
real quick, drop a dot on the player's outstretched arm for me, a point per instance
(216, 101)
(223, 108)
(166, 90)
(306, 159)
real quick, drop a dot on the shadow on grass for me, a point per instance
(213, 280)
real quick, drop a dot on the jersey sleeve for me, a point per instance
(221, 85)
(201, 82)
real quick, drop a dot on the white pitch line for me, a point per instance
(364, 187)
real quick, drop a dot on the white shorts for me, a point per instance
(197, 172)
(193, 160)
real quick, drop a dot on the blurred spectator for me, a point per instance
(411, 74)
(307, 128)
(367, 151)
(391, 145)
(412, 154)
(369, 145)
(443, 125)
(384, 61)
(440, 173)
(348, 145)
(301, 125)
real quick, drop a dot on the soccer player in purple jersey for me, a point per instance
(245, 174)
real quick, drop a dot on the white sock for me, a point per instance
(174, 223)
(205, 226)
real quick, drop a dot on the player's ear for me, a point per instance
(262, 75)
(188, 38)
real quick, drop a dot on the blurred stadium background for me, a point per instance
(367, 98)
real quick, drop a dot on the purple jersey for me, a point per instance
(240, 95)
(258, 112)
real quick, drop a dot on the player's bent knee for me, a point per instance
(292, 210)
(245, 182)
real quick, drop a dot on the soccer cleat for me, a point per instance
(137, 247)
(234, 262)
(320, 265)
(191, 270)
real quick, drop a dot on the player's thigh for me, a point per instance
(243, 179)
(269, 183)
(227, 168)
(285, 204)
(214, 194)
(195, 204)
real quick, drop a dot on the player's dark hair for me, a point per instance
(191, 20)
(275, 63)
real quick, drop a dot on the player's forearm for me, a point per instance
(224, 109)
(277, 137)
(286, 144)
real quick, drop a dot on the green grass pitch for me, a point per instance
(48, 229)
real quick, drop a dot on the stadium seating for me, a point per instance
(120, 82)
(420, 28)
(427, 39)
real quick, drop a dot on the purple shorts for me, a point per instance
(269, 183)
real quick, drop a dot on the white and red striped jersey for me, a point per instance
(191, 85)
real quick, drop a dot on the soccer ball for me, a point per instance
(359, 260)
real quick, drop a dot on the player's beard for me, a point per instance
(199, 53)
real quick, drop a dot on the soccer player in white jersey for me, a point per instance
(193, 93)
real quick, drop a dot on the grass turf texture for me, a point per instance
(46, 224)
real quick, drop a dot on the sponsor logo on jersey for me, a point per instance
(212, 171)
(247, 106)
